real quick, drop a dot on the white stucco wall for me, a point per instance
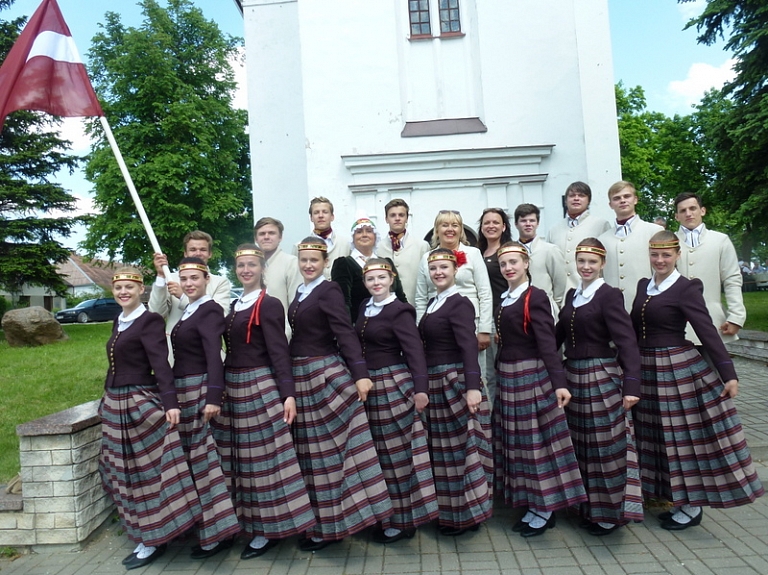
(332, 83)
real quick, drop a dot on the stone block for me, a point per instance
(56, 505)
(86, 452)
(45, 520)
(80, 470)
(9, 520)
(87, 435)
(25, 521)
(50, 442)
(90, 482)
(26, 474)
(38, 489)
(57, 536)
(63, 489)
(61, 457)
(64, 520)
(17, 538)
(35, 458)
(24, 443)
(51, 473)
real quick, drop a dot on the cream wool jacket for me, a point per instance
(407, 260)
(567, 238)
(715, 262)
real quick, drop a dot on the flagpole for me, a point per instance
(132, 190)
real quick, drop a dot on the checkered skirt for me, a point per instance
(692, 447)
(219, 519)
(259, 459)
(535, 463)
(604, 440)
(143, 467)
(401, 442)
(335, 450)
(460, 448)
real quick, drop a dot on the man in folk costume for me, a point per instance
(281, 276)
(626, 245)
(402, 247)
(577, 225)
(167, 297)
(710, 257)
(321, 215)
(547, 264)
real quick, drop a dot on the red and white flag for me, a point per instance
(43, 70)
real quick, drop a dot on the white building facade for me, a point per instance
(448, 104)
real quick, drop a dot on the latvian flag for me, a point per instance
(43, 70)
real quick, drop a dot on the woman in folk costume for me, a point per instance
(458, 418)
(199, 380)
(331, 434)
(253, 432)
(471, 279)
(348, 271)
(394, 355)
(605, 383)
(142, 464)
(535, 464)
(692, 447)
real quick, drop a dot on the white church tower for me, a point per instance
(448, 104)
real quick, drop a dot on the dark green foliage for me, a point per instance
(166, 88)
(30, 153)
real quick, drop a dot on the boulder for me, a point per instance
(32, 326)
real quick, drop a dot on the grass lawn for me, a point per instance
(38, 381)
(756, 303)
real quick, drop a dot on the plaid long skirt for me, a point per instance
(535, 463)
(460, 448)
(692, 447)
(259, 459)
(219, 520)
(401, 442)
(604, 440)
(143, 467)
(335, 450)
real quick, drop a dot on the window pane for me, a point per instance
(424, 5)
(413, 5)
(455, 27)
(425, 29)
(443, 4)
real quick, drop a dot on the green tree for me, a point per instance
(662, 156)
(166, 88)
(31, 152)
(735, 120)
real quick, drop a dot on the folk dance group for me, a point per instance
(367, 417)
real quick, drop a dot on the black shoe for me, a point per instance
(309, 545)
(529, 531)
(129, 559)
(456, 531)
(200, 553)
(379, 536)
(665, 515)
(598, 530)
(517, 527)
(136, 563)
(672, 525)
(251, 552)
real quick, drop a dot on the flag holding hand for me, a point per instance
(44, 71)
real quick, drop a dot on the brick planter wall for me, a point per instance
(62, 500)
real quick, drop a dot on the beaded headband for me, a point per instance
(378, 267)
(319, 246)
(664, 245)
(441, 256)
(199, 267)
(250, 252)
(128, 277)
(512, 250)
(591, 250)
